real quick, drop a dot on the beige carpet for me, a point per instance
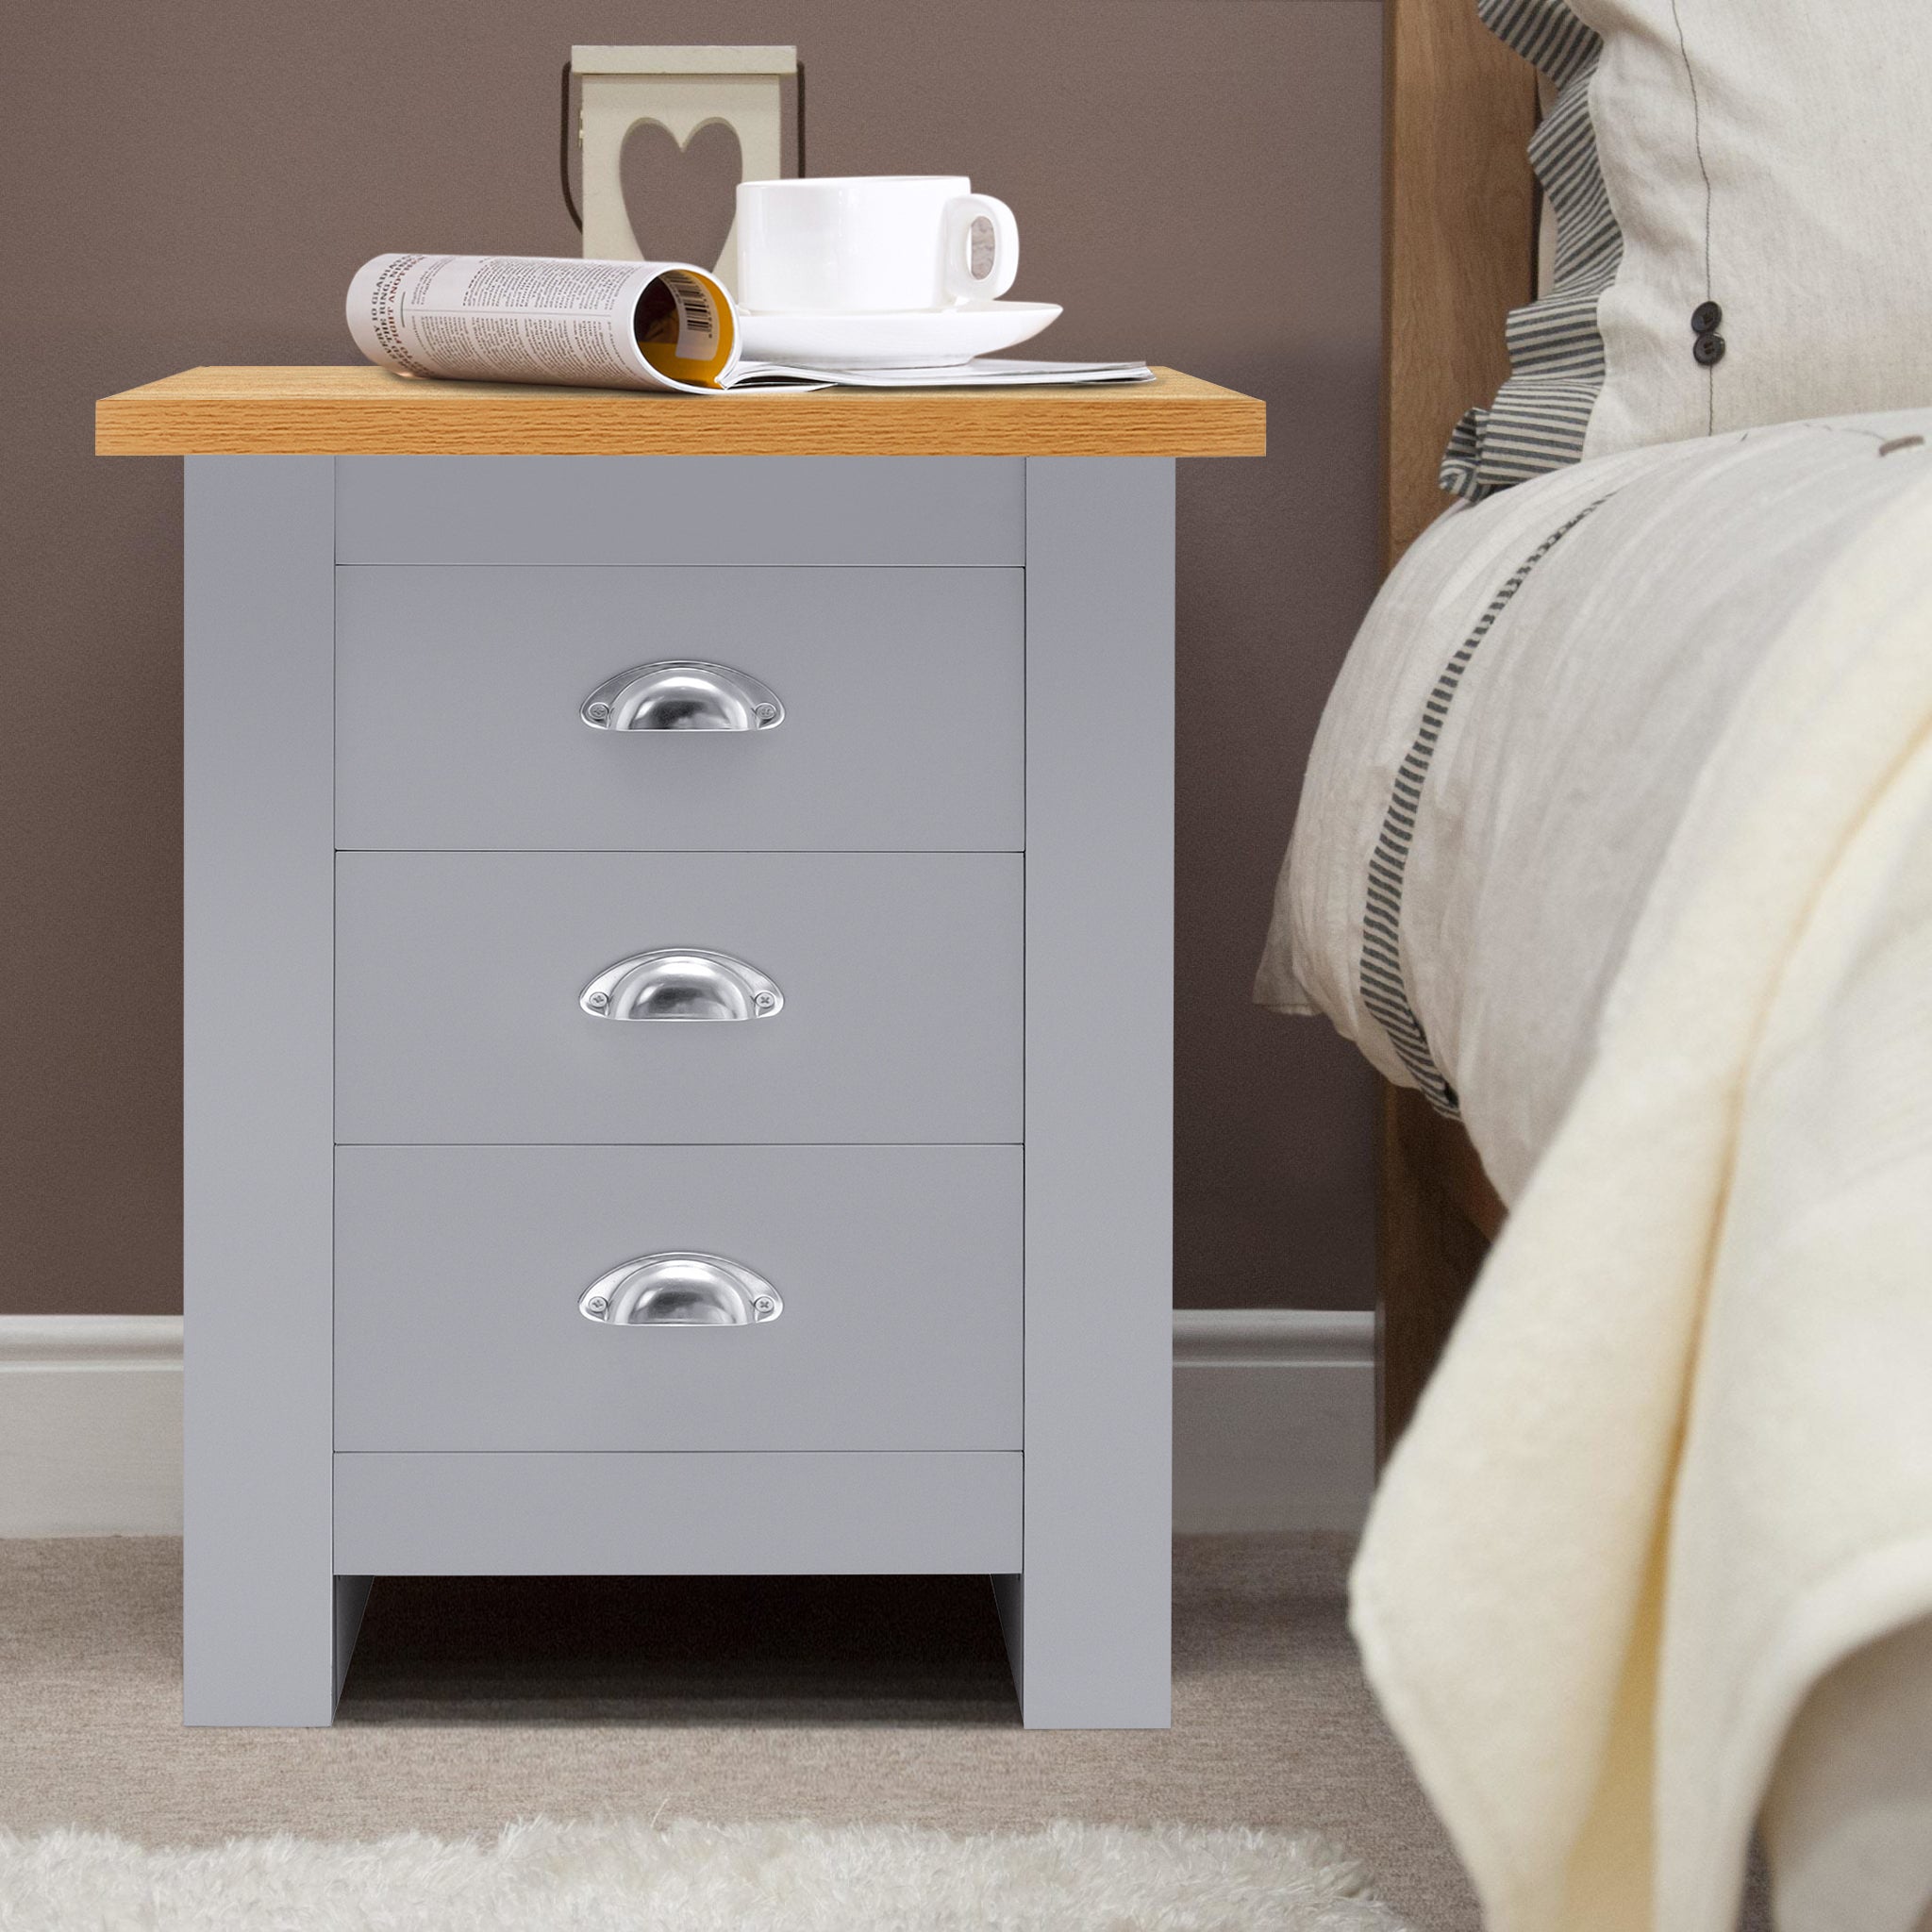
(475, 1702)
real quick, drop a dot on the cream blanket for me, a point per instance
(1678, 1460)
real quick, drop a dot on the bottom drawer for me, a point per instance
(460, 1272)
(675, 1515)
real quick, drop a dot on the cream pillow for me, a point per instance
(1742, 192)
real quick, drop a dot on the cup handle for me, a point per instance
(982, 248)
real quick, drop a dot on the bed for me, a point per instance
(1511, 749)
(1614, 855)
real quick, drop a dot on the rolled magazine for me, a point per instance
(607, 324)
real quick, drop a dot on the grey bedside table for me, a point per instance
(520, 721)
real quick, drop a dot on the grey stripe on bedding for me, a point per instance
(1540, 414)
(1384, 989)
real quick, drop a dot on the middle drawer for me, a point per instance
(881, 996)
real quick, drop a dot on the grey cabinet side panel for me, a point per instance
(682, 1515)
(352, 1599)
(259, 1607)
(681, 509)
(1094, 1594)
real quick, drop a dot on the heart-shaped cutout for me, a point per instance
(680, 200)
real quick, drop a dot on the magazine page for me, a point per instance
(552, 319)
(983, 371)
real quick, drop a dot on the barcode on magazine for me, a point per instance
(697, 321)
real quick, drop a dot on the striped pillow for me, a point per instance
(1743, 234)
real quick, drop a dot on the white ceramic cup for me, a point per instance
(869, 244)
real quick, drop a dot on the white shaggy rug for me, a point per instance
(639, 1877)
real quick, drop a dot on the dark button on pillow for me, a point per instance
(1708, 348)
(1705, 317)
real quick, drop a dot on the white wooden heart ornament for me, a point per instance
(680, 201)
(681, 90)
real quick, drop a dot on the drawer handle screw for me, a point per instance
(596, 999)
(764, 1304)
(597, 1305)
(762, 1001)
(597, 713)
(765, 713)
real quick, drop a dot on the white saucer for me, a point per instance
(917, 338)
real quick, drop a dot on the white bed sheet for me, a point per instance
(1563, 752)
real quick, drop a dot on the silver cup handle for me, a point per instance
(679, 1290)
(682, 694)
(681, 983)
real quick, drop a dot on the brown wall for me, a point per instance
(1196, 180)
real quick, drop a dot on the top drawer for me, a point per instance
(460, 696)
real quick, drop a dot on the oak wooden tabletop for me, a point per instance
(361, 411)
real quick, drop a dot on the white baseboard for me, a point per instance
(1274, 1418)
(90, 1425)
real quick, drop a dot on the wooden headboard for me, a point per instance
(1458, 237)
(1459, 229)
